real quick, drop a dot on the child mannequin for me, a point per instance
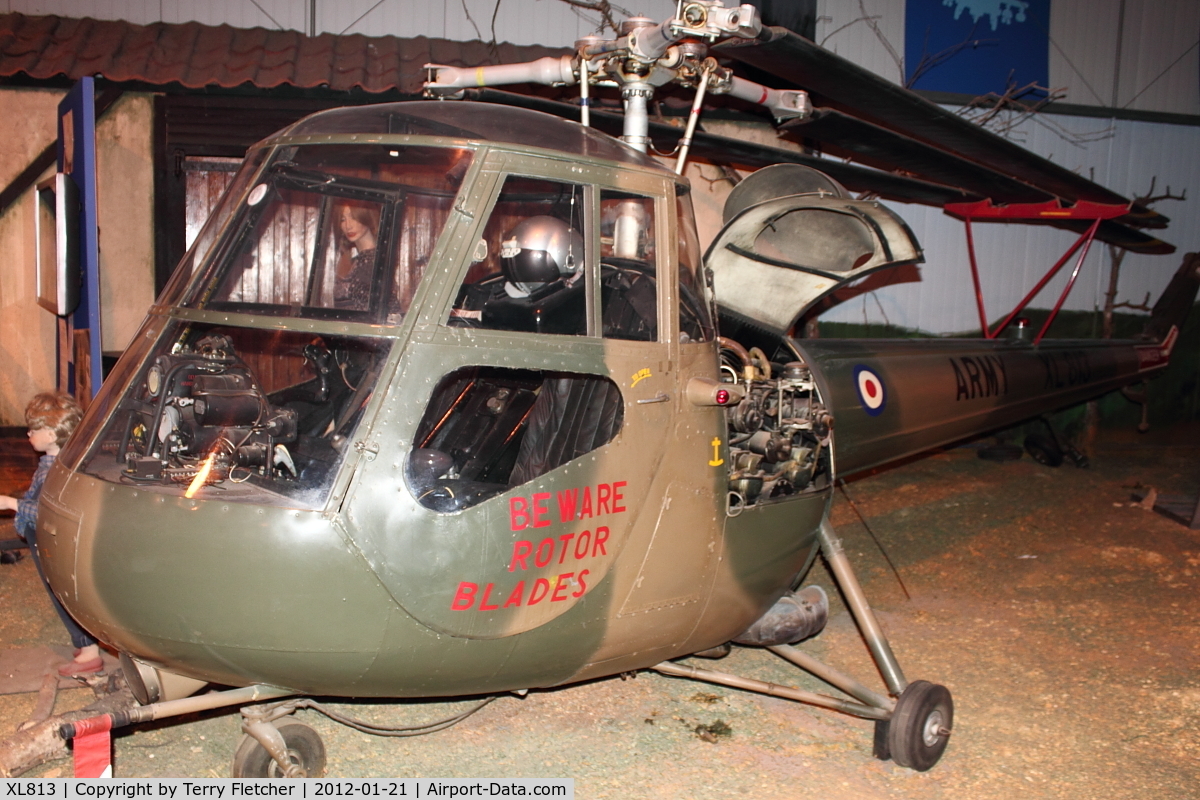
(51, 419)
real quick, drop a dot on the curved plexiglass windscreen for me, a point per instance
(466, 120)
(334, 232)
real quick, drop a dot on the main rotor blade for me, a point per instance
(843, 134)
(845, 85)
(726, 150)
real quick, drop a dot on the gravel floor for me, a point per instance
(1063, 619)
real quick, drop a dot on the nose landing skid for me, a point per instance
(912, 723)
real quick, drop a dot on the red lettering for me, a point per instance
(540, 512)
(534, 596)
(601, 538)
(585, 508)
(602, 493)
(560, 588)
(566, 541)
(582, 585)
(547, 547)
(516, 595)
(487, 591)
(566, 505)
(521, 551)
(465, 597)
(518, 511)
(617, 497)
(582, 544)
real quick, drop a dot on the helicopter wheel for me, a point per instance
(920, 727)
(304, 747)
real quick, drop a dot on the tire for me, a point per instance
(1043, 450)
(304, 745)
(920, 726)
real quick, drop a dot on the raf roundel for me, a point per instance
(871, 391)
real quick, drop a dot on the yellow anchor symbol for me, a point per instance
(716, 459)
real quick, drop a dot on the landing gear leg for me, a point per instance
(919, 728)
(877, 643)
(287, 749)
(912, 730)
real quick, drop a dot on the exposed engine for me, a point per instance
(778, 433)
(203, 412)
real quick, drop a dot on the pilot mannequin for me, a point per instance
(540, 250)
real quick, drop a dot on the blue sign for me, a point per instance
(976, 46)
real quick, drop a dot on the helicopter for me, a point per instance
(445, 400)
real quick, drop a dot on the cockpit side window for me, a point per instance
(529, 266)
(695, 321)
(629, 288)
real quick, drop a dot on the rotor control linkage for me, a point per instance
(643, 57)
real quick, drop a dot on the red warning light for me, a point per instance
(722, 397)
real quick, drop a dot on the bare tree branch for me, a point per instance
(466, 11)
(604, 8)
(928, 62)
(1004, 113)
(870, 20)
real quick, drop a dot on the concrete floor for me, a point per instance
(1063, 619)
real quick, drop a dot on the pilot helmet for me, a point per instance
(540, 250)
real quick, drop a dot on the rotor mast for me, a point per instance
(644, 56)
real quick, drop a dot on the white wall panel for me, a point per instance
(271, 14)
(1083, 47)
(843, 28)
(549, 22)
(1153, 76)
(1159, 60)
(138, 11)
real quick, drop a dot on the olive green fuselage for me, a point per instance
(443, 485)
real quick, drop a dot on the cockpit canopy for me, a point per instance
(481, 122)
(334, 231)
(346, 214)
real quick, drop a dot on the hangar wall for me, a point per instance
(125, 175)
(27, 124)
(1159, 67)
(1156, 40)
(1013, 257)
(1157, 72)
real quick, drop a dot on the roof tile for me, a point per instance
(197, 56)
